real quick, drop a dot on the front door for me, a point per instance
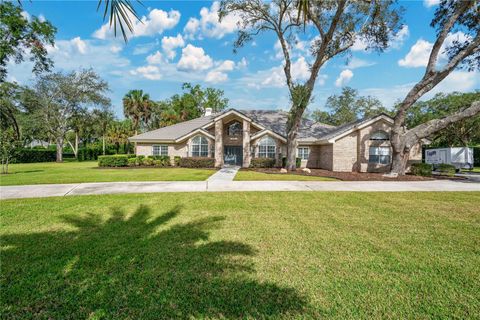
(233, 155)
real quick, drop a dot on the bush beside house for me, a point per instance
(262, 163)
(197, 162)
(421, 169)
(447, 169)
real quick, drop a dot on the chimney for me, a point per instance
(208, 112)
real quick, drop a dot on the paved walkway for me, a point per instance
(224, 174)
(51, 190)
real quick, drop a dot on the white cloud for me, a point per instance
(243, 63)
(148, 72)
(219, 74)
(418, 55)
(156, 22)
(420, 52)
(355, 63)
(461, 81)
(397, 40)
(41, 18)
(115, 49)
(430, 3)
(194, 59)
(169, 44)
(79, 44)
(208, 24)
(359, 45)
(344, 78)
(155, 58)
(26, 15)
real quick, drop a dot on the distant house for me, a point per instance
(236, 136)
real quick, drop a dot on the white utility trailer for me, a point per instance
(461, 158)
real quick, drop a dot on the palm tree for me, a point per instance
(137, 106)
(118, 133)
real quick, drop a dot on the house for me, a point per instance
(236, 136)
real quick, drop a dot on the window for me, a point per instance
(379, 155)
(235, 129)
(199, 147)
(266, 148)
(303, 152)
(379, 136)
(160, 150)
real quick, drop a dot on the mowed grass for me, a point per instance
(246, 175)
(242, 255)
(88, 171)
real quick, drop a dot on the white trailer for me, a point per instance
(461, 158)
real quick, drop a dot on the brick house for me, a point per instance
(236, 136)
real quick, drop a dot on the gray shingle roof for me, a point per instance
(275, 121)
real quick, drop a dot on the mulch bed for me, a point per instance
(354, 176)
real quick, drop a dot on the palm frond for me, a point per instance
(121, 13)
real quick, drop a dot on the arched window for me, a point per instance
(199, 146)
(235, 129)
(379, 136)
(267, 148)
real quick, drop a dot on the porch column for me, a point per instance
(246, 144)
(219, 143)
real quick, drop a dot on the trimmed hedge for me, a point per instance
(447, 169)
(262, 163)
(35, 155)
(197, 162)
(162, 161)
(118, 160)
(176, 161)
(421, 169)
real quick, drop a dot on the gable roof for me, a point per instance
(274, 121)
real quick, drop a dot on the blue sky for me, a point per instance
(181, 41)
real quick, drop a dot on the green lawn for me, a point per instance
(244, 175)
(475, 169)
(88, 171)
(242, 255)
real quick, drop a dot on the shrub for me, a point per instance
(298, 162)
(476, 156)
(148, 161)
(118, 160)
(161, 161)
(90, 153)
(421, 169)
(176, 161)
(447, 169)
(35, 155)
(197, 162)
(132, 162)
(140, 160)
(262, 163)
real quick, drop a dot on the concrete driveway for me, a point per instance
(220, 185)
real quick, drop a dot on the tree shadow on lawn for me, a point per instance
(136, 268)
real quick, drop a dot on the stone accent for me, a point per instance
(246, 144)
(219, 144)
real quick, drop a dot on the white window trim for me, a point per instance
(199, 146)
(259, 146)
(160, 146)
(308, 152)
(379, 154)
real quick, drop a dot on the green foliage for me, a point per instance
(113, 161)
(476, 156)
(19, 35)
(189, 105)
(132, 162)
(176, 161)
(35, 155)
(118, 133)
(137, 107)
(197, 162)
(421, 169)
(461, 133)
(262, 163)
(447, 169)
(161, 161)
(348, 107)
(89, 153)
(147, 161)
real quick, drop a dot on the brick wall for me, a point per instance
(345, 153)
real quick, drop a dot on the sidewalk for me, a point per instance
(220, 185)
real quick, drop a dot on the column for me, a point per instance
(219, 143)
(246, 144)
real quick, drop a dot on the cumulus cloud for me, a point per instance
(208, 24)
(79, 44)
(430, 3)
(420, 52)
(355, 63)
(242, 63)
(115, 49)
(219, 74)
(344, 78)
(156, 22)
(418, 55)
(395, 40)
(148, 72)
(169, 44)
(194, 59)
(155, 58)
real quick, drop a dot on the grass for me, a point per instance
(247, 175)
(88, 171)
(242, 255)
(475, 169)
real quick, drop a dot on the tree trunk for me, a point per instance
(399, 163)
(59, 143)
(292, 149)
(76, 145)
(103, 144)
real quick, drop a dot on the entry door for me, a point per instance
(233, 155)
